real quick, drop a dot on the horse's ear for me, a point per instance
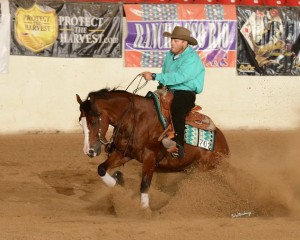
(78, 99)
(92, 99)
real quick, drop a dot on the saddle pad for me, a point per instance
(200, 138)
(155, 98)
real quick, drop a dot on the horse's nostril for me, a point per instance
(91, 151)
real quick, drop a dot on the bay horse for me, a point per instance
(135, 136)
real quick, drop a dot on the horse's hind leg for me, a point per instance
(114, 160)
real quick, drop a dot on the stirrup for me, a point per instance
(177, 151)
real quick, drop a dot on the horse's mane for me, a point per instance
(104, 93)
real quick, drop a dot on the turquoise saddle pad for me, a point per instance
(200, 138)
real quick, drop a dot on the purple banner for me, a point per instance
(210, 34)
(213, 25)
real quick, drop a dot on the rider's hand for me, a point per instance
(147, 75)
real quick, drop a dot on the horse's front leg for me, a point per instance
(149, 161)
(114, 160)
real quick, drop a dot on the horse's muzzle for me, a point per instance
(95, 150)
(92, 153)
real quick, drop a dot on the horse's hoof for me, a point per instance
(118, 176)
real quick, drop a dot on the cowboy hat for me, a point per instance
(182, 34)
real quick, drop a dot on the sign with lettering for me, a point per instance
(214, 27)
(67, 29)
(36, 28)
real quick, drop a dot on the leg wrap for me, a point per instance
(109, 180)
(144, 200)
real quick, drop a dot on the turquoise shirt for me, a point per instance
(184, 73)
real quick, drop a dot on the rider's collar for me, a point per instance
(175, 57)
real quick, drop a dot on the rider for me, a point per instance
(183, 74)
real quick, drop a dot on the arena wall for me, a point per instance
(38, 94)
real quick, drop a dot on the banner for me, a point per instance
(268, 41)
(59, 29)
(214, 27)
(4, 35)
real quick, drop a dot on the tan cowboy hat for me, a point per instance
(182, 34)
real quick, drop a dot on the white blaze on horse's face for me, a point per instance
(86, 146)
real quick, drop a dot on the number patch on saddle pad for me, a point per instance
(200, 138)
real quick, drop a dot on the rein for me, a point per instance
(115, 133)
(138, 86)
(133, 106)
(127, 111)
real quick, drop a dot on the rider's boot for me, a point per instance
(180, 151)
(176, 149)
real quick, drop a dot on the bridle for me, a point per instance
(116, 132)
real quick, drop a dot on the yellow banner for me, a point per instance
(36, 28)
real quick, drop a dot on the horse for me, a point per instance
(135, 136)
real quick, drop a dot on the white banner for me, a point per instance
(4, 35)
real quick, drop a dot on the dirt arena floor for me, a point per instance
(51, 190)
